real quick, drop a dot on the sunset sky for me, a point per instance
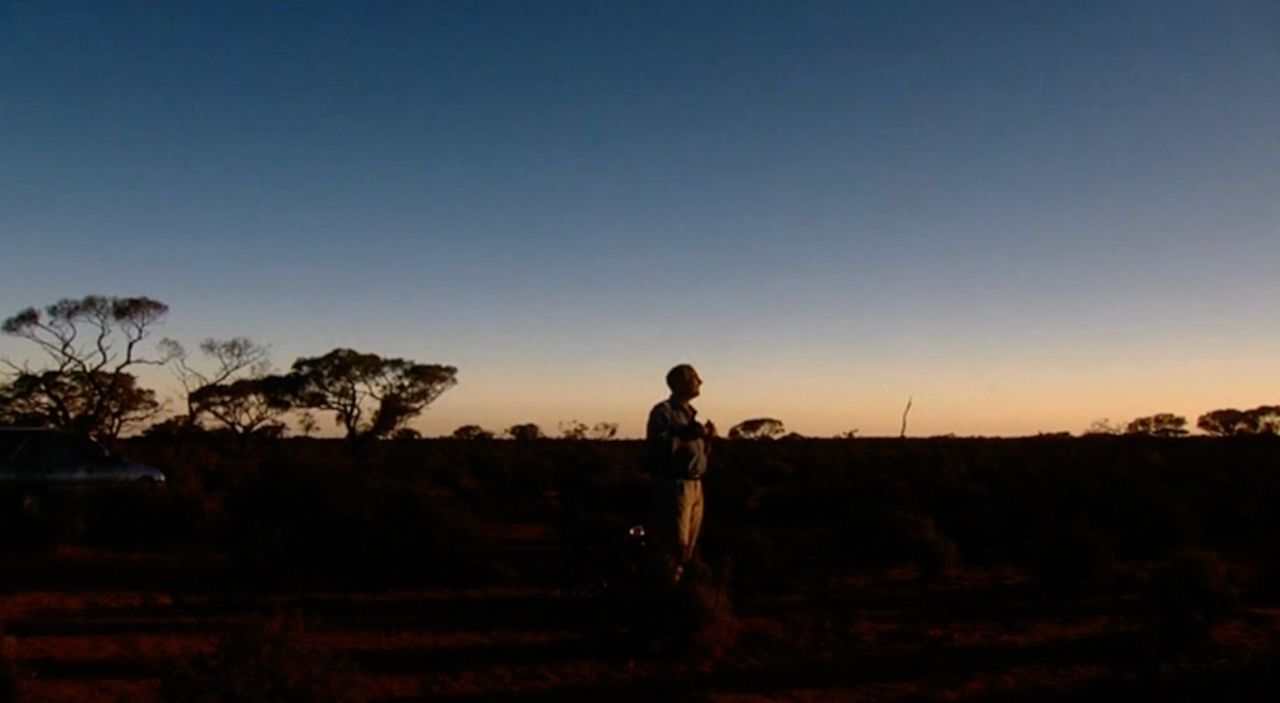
(1025, 215)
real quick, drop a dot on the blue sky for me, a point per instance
(1026, 215)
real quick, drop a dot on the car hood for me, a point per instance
(141, 471)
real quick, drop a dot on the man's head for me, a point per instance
(684, 382)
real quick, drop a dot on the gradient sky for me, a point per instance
(1026, 215)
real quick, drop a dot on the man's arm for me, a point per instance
(661, 433)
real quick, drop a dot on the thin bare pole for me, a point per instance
(905, 410)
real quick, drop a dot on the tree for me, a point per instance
(1225, 422)
(170, 429)
(759, 428)
(1103, 426)
(1160, 425)
(1229, 422)
(244, 406)
(573, 429)
(72, 401)
(472, 432)
(602, 431)
(525, 432)
(1266, 418)
(579, 430)
(231, 360)
(89, 344)
(370, 396)
(19, 407)
(129, 406)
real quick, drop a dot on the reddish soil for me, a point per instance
(91, 626)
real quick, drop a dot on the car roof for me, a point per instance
(28, 431)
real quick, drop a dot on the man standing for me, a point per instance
(676, 447)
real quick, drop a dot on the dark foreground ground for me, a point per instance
(1084, 612)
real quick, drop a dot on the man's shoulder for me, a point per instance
(673, 411)
(663, 406)
(666, 411)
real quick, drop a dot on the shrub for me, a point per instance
(1072, 554)
(336, 526)
(705, 606)
(936, 555)
(263, 660)
(889, 534)
(693, 616)
(1150, 519)
(1189, 596)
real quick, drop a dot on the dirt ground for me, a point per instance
(91, 626)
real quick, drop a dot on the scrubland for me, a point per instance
(1048, 568)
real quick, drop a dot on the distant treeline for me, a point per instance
(92, 346)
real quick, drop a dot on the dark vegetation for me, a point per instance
(1187, 528)
(411, 512)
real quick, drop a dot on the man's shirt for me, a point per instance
(670, 450)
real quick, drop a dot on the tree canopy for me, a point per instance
(1229, 422)
(472, 432)
(370, 396)
(525, 432)
(226, 361)
(758, 428)
(89, 345)
(1159, 425)
(244, 406)
(577, 430)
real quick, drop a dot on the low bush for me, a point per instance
(1072, 555)
(1189, 596)
(311, 526)
(705, 609)
(692, 616)
(893, 534)
(1149, 519)
(936, 555)
(263, 660)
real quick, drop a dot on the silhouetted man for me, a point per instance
(676, 447)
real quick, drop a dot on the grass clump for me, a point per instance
(692, 617)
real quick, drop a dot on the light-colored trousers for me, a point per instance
(677, 516)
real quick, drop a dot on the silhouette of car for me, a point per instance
(38, 466)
